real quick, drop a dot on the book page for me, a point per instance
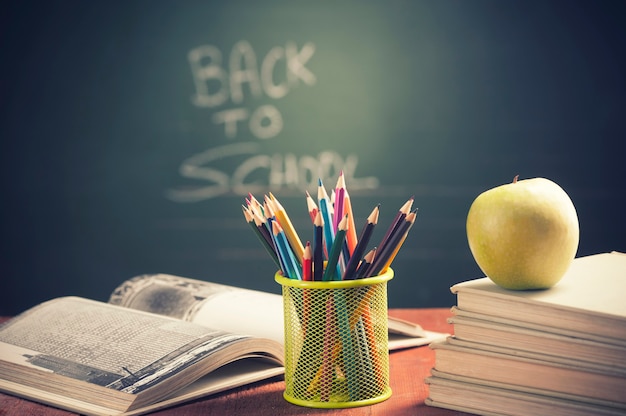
(213, 305)
(230, 308)
(106, 345)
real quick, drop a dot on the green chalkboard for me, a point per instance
(132, 131)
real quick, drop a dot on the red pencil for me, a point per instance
(307, 263)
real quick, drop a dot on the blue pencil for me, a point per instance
(329, 234)
(284, 250)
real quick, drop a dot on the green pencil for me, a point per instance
(331, 272)
(260, 230)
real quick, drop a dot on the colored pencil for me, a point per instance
(311, 206)
(365, 264)
(255, 204)
(351, 236)
(318, 247)
(338, 214)
(364, 360)
(338, 208)
(343, 324)
(363, 241)
(307, 263)
(268, 211)
(402, 213)
(370, 336)
(330, 334)
(335, 252)
(344, 257)
(411, 219)
(261, 224)
(329, 234)
(262, 233)
(288, 228)
(384, 256)
(284, 251)
(331, 272)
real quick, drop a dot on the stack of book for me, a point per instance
(559, 351)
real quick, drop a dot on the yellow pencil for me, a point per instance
(288, 228)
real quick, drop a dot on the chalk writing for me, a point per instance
(280, 171)
(215, 85)
(218, 85)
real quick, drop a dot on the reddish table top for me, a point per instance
(408, 368)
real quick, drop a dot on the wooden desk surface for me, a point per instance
(408, 368)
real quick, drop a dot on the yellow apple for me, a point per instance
(523, 235)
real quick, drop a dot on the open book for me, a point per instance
(160, 340)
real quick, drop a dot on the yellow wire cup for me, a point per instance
(336, 341)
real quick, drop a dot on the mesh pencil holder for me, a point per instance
(336, 341)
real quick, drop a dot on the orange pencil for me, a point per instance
(330, 337)
(351, 237)
(311, 206)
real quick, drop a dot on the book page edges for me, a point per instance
(54, 399)
(467, 347)
(556, 361)
(237, 374)
(512, 396)
(234, 375)
(522, 390)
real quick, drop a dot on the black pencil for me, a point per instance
(362, 242)
(396, 239)
(365, 264)
(261, 231)
(318, 247)
(397, 221)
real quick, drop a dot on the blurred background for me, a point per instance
(132, 131)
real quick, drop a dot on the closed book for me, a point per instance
(589, 299)
(467, 395)
(537, 340)
(588, 383)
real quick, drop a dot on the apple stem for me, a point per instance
(515, 178)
